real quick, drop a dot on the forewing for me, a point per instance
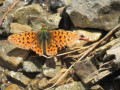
(26, 40)
(59, 39)
(37, 47)
(51, 47)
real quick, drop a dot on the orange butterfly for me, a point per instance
(44, 42)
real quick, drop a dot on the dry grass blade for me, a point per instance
(8, 11)
(80, 49)
(88, 51)
(68, 52)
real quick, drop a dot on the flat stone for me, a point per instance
(102, 14)
(29, 66)
(51, 68)
(33, 64)
(33, 85)
(51, 72)
(19, 28)
(90, 36)
(114, 54)
(71, 86)
(96, 87)
(9, 19)
(85, 69)
(10, 56)
(42, 83)
(3, 78)
(37, 17)
(13, 87)
(18, 77)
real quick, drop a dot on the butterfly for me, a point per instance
(44, 42)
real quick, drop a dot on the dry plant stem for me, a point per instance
(78, 56)
(83, 48)
(8, 11)
(68, 52)
(88, 51)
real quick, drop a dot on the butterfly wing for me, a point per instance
(26, 40)
(58, 40)
(51, 47)
(37, 47)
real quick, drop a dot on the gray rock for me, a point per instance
(71, 86)
(117, 34)
(36, 17)
(96, 87)
(51, 68)
(102, 14)
(51, 72)
(33, 85)
(18, 77)
(19, 28)
(3, 78)
(85, 69)
(29, 66)
(10, 56)
(42, 83)
(114, 54)
(3, 9)
(33, 64)
(13, 87)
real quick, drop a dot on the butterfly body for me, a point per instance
(44, 42)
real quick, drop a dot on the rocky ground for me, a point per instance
(22, 69)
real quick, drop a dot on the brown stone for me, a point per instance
(13, 87)
(10, 56)
(18, 28)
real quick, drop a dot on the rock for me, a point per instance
(50, 21)
(96, 87)
(55, 4)
(49, 89)
(36, 17)
(89, 35)
(117, 34)
(85, 69)
(18, 77)
(29, 66)
(49, 68)
(71, 86)
(42, 83)
(22, 14)
(36, 83)
(10, 56)
(114, 54)
(3, 9)
(66, 79)
(103, 14)
(3, 78)
(1, 1)
(33, 64)
(18, 28)
(33, 85)
(13, 87)
(51, 72)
